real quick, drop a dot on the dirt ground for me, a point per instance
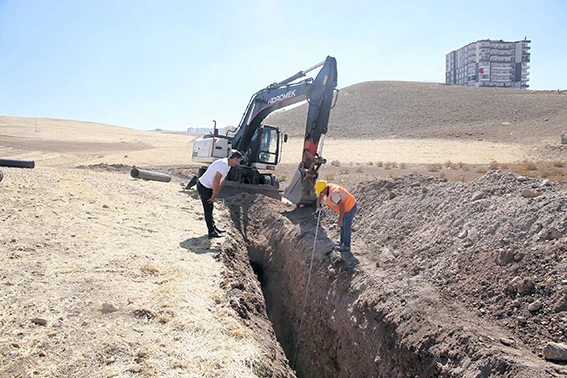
(106, 275)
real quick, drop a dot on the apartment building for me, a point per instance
(489, 63)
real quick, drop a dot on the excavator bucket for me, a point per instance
(231, 188)
(301, 190)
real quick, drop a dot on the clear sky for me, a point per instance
(169, 64)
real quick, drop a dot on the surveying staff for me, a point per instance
(340, 200)
(209, 185)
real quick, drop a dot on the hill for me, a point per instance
(387, 109)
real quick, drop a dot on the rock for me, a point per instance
(507, 342)
(535, 306)
(522, 178)
(545, 182)
(463, 234)
(561, 304)
(526, 193)
(39, 321)
(473, 235)
(504, 257)
(549, 234)
(108, 307)
(478, 195)
(526, 286)
(554, 234)
(555, 351)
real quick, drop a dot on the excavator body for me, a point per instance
(261, 144)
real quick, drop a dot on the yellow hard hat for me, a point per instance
(320, 185)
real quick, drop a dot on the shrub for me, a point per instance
(344, 171)
(460, 177)
(402, 165)
(336, 163)
(528, 166)
(435, 167)
(493, 164)
(481, 169)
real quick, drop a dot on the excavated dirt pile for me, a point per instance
(447, 279)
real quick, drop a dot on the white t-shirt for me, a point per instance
(208, 178)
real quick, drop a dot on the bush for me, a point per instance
(436, 167)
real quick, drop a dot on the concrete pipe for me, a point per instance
(17, 163)
(149, 175)
(1, 175)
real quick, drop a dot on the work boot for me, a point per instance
(219, 230)
(214, 234)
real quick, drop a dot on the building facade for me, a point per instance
(489, 63)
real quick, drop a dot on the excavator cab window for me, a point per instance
(266, 140)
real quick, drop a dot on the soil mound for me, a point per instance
(446, 279)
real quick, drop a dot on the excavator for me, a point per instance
(261, 144)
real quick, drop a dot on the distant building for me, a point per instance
(489, 63)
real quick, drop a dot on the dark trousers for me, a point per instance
(205, 194)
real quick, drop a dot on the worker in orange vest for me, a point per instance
(340, 200)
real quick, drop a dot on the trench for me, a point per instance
(343, 334)
(337, 339)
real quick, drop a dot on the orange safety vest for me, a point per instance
(346, 198)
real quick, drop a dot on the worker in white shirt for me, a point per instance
(209, 185)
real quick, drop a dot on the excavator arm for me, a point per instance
(301, 191)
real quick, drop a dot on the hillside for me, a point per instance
(387, 109)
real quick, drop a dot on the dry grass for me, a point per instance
(552, 170)
(433, 167)
(481, 169)
(462, 177)
(493, 164)
(527, 166)
(329, 176)
(120, 242)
